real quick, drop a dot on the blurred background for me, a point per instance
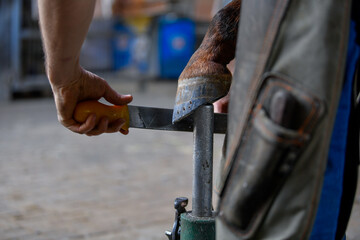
(150, 39)
(55, 184)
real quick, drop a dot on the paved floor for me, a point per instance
(55, 184)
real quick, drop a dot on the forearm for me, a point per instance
(64, 24)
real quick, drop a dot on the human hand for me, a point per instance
(221, 105)
(83, 85)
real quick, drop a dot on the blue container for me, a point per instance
(122, 44)
(176, 45)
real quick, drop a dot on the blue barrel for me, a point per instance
(176, 45)
(122, 44)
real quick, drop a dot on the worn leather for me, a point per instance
(206, 77)
(298, 46)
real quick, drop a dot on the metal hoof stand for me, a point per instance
(198, 224)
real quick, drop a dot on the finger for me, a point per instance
(89, 124)
(115, 126)
(125, 132)
(73, 126)
(217, 107)
(221, 106)
(113, 97)
(101, 127)
(81, 128)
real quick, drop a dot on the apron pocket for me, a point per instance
(279, 129)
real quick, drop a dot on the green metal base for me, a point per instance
(197, 228)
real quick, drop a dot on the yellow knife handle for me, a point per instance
(84, 109)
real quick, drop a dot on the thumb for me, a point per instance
(117, 99)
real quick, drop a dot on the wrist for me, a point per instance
(62, 72)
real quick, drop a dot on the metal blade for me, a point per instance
(161, 119)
